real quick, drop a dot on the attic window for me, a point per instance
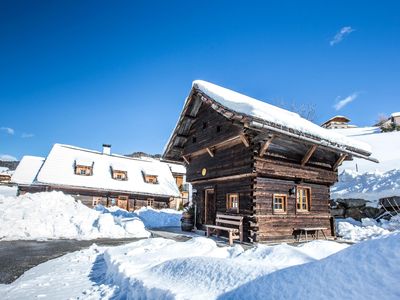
(218, 128)
(120, 175)
(153, 179)
(194, 139)
(83, 170)
(205, 125)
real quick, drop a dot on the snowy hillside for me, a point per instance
(364, 179)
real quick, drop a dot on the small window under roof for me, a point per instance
(150, 178)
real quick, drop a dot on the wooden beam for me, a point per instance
(186, 159)
(210, 152)
(244, 140)
(226, 178)
(308, 155)
(229, 142)
(265, 146)
(342, 157)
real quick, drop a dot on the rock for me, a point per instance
(350, 202)
(337, 212)
(370, 212)
(354, 213)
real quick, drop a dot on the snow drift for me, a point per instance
(368, 270)
(54, 215)
(199, 269)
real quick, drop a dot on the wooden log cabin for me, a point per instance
(249, 158)
(95, 177)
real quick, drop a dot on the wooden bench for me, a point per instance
(233, 233)
(315, 231)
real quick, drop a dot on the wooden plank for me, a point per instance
(244, 140)
(210, 152)
(342, 157)
(265, 146)
(308, 155)
(222, 221)
(186, 159)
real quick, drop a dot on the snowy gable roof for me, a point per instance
(261, 115)
(27, 169)
(59, 170)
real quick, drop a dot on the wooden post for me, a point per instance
(265, 146)
(342, 157)
(308, 155)
(244, 139)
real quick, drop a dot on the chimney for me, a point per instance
(107, 149)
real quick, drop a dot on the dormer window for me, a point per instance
(83, 170)
(153, 179)
(120, 175)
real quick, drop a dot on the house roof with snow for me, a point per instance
(258, 115)
(27, 169)
(59, 170)
(341, 119)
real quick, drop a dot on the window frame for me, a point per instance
(123, 174)
(282, 210)
(230, 202)
(83, 170)
(308, 199)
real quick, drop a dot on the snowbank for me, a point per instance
(368, 270)
(152, 218)
(199, 269)
(355, 231)
(8, 191)
(53, 215)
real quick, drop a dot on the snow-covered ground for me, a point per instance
(364, 179)
(54, 215)
(355, 231)
(199, 269)
(8, 191)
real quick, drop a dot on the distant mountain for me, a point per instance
(12, 165)
(143, 154)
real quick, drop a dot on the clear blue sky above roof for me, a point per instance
(87, 73)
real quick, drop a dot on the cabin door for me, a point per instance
(209, 207)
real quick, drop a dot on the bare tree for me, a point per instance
(305, 110)
(382, 118)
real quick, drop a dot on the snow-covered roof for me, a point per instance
(177, 168)
(337, 119)
(395, 114)
(58, 170)
(27, 170)
(263, 116)
(272, 114)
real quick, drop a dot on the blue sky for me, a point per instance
(92, 72)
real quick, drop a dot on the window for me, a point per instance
(153, 179)
(218, 128)
(279, 204)
(119, 175)
(303, 199)
(194, 139)
(232, 202)
(83, 170)
(150, 201)
(205, 125)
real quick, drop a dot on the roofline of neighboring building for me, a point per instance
(336, 117)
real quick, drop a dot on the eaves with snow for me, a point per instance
(259, 115)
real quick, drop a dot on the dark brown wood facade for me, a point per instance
(93, 197)
(224, 155)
